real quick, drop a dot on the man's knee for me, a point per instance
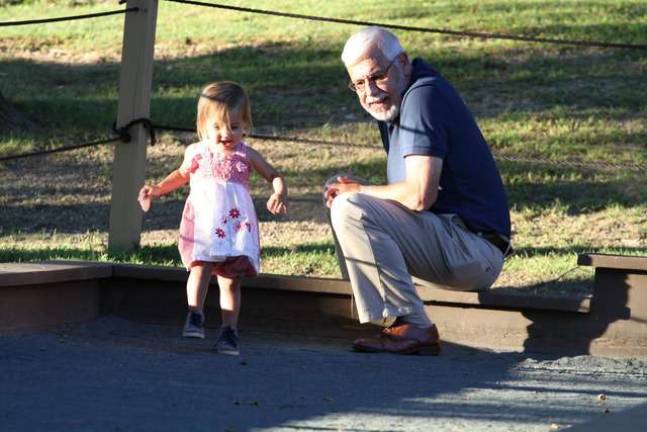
(345, 208)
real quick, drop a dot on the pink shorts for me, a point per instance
(233, 267)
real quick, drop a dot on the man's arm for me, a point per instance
(278, 201)
(420, 189)
(418, 192)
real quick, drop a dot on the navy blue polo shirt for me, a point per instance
(434, 121)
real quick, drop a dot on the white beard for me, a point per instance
(386, 116)
(399, 82)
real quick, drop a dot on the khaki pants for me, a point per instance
(384, 245)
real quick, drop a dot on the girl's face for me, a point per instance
(226, 135)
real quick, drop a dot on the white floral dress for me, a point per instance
(219, 223)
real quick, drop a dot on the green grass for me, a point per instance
(533, 101)
(304, 259)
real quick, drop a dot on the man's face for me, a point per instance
(379, 84)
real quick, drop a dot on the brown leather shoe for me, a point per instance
(402, 339)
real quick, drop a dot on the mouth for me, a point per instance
(382, 103)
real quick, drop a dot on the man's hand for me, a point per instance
(417, 192)
(343, 184)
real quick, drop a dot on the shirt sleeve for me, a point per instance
(189, 163)
(422, 122)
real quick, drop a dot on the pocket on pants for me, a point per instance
(469, 259)
(469, 276)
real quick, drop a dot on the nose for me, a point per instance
(371, 89)
(225, 133)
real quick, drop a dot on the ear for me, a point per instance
(405, 64)
(403, 59)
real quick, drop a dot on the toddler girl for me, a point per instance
(219, 228)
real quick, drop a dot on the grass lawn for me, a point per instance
(533, 102)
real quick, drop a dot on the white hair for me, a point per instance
(367, 39)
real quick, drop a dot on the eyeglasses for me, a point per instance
(378, 78)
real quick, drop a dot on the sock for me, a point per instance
(384, 322)
(417, 319)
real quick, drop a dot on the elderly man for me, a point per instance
(442, 217)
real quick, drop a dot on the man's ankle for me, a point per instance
(420, 320)
(385, 321)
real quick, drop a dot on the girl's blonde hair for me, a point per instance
(217, 100)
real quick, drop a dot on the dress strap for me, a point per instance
(242, 148)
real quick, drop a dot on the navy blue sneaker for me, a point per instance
(194, 325)
(227, 342)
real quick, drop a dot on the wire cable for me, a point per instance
(470, 34)
(67, 18)
(535, 160)
(124, 136)
(122, 132)
(59, 149)
(276, 137)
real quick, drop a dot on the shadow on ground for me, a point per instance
(114, 374)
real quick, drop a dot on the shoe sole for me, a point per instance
(426, 350)
(193, 335)
(228, 352)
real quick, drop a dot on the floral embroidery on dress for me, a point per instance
(240, 225)
(243, 226)
(241, 167)
(231, 167)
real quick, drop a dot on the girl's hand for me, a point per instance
(277, 204)
(149, 191)
(146, 195)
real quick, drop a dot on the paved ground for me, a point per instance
(117, 375)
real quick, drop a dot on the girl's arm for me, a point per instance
(169, 184)
(278, 201)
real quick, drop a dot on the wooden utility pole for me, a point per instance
(129, 166)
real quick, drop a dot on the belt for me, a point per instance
(499, 242)
(495, 239)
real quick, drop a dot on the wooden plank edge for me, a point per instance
(486, 299)
(620, 262)
(61, 271)
(51, 272)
